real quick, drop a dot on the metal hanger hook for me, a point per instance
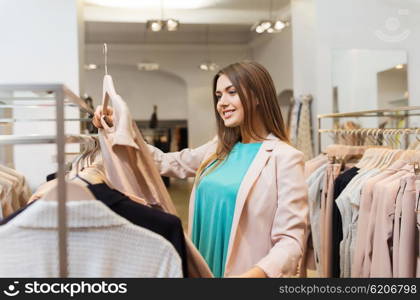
(105, 51)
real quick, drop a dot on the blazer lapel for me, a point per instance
(251, 176)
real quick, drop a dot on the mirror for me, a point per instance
(369, 79)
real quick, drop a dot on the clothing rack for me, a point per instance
(388, 113)
(60, 94)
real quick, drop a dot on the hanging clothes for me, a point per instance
(374, 219)
(294, 120)
(164, 224)
(340, 184)
(407, 246)
(308, 259)
(312, 165)
(315, 186)
(325, 228)
(386, 188)
(347, 203)
(14, 191)
(304, 141)
(100, 244)
(418, 233)
(363, 220)
(132, 171)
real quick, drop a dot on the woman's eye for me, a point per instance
(233, 92)
(218, 97)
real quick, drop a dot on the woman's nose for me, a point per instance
(223, 101)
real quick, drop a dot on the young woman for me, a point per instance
(248, 207)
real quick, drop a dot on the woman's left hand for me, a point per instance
(255, 272)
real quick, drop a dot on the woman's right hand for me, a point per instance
(98, 115)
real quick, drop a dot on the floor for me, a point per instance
(180, 191)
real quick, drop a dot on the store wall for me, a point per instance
(39, 44)
(181, 61)
(319, 26)
(34, 51)
(355, 74)
(274, 51)
(142, 90)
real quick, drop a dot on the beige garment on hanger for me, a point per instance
(308, 259)
(131, 170)
(418, 235)
(397, 229)
(379, 194)
(314, 164)
(6, 197)
(23, 191)
(325, 228)
(407, 252)
(364, 211)
(381, 263)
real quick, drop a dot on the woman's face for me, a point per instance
(229, 105)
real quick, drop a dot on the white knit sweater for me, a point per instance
(100, 244)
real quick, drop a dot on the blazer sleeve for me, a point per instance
(291, 216)
(180, 164)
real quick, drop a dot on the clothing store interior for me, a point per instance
(122, 199)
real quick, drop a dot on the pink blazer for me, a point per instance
(271, 209)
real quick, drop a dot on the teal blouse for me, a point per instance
(215, 200)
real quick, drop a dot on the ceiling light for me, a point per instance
(204, 67)
(399, 66)
(154, 25)
(148, 4)
(270, 26)
(259, 29)
(208, 66)
(279, 25)
(147, 66)
(265, 25)
(90, 67)
(158, 25)
(172, 25)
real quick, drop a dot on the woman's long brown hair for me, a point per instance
(258, 96)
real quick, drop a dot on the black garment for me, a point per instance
(164, 224)
(51, 176)
(340, 184)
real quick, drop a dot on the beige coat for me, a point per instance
(271, 209)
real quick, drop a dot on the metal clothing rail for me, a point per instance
(388, 112)
(11, 120)
(60, 94)
(67, 94)
(372, 131)
(372, 113)
(42, 139)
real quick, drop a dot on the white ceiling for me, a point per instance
(221, 22)
(216, 12)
